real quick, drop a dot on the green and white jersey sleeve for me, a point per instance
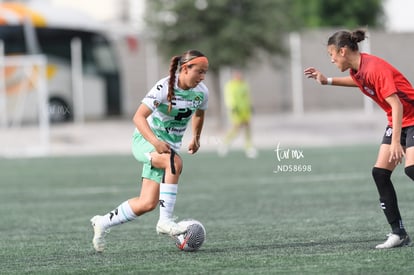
(170, 126)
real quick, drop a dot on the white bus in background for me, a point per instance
(37, 28)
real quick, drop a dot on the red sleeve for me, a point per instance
(384, 82)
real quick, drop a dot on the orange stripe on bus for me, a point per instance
(22, 12)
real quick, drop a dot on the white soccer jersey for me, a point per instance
(170, 126)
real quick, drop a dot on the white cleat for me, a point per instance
(394, 240)
(170, 227)
(99, 234)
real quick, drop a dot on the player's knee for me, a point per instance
(409, 171)
(381, 176)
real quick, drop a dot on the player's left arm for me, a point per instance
(396, 150)
(197, 126)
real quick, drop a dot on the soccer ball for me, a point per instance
(194, 237)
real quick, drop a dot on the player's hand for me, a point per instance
(162, 147)
(194, 145)
(312, 72)
(396, 153)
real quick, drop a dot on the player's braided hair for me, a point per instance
(348, 39)
(176, 63)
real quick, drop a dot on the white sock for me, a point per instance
(122, 214)
(168, 195)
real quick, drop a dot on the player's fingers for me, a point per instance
(312, 74)
(310, 69)
(167, 148)
(396, 158)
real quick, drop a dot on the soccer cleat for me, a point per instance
(99, 234)
(395, 240)
(170, 227)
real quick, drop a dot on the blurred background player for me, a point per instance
(238, 103)
(160, 122)
(385, 85)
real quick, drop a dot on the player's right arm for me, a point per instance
(346, 81)
(140, 121)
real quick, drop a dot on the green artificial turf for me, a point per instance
(315, 211)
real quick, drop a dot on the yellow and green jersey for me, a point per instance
(237, 100)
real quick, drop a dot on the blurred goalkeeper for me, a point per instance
(238, 102)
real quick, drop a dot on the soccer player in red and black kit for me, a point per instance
(385, 85)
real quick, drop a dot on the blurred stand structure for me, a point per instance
(28, 94)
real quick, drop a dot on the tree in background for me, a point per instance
(229, 32)
(235, 31)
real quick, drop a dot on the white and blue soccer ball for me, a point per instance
(194, 237)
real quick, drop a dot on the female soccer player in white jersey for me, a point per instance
(161, 121)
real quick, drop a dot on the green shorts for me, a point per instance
(141, 150)
(238, 116)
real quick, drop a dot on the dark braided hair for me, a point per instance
(348, 39)
(176, 64)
